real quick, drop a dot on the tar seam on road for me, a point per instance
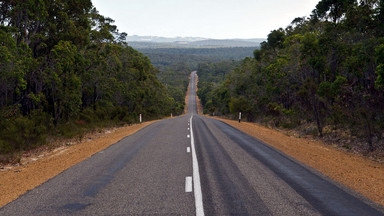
(196, 177)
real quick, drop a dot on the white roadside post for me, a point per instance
(239, 117)
(141, 119)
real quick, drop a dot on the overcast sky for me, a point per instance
(219, 19)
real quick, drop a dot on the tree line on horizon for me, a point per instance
(65, 68)
(326, 70)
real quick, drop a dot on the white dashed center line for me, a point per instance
(188, 184)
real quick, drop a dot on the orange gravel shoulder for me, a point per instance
(198, 102)
(15, 181)
(187, 98)
(356, 172)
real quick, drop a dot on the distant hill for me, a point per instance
(165, 56)
(153, 42)
(156, 39)
(224, 43)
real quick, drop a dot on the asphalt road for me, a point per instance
(151, 173)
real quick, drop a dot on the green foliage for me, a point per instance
(15, 60)
(257, 54)
(239, 104)
(379, 53)
(63, 83)
(193, 56)
(24, 132)
(326, 70)
(214, 97)
(175, 65)
(331, 90)
(380, 76)
(276, 38)
(65, 69)
(333, 9)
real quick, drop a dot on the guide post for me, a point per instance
(239, 117)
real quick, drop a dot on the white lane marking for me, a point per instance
(188, 184)
(188, 149)
(188, 136)
(196, 178)
(188, 128)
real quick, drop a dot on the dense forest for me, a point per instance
(64, 69)
(175, 65)
(325, 71)
(176, 78)
(207, 53)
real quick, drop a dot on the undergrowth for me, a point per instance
(19, 133)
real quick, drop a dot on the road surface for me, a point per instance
(190, 165)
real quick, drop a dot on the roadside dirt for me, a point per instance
(187, 96)
(36, 169)
(198, 102)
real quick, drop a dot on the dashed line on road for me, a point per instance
(188, 149)
(188, 184)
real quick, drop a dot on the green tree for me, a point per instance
(63, 83)
(334, 9)
(276, 39)
(380, 66)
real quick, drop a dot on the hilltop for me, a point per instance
(189, 42)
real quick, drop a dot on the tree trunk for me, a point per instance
(369, 133)
(317, 116)
(94, 97)
(55, 113)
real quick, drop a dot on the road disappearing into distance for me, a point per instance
(190, 165)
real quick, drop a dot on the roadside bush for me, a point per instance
(23, 133)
